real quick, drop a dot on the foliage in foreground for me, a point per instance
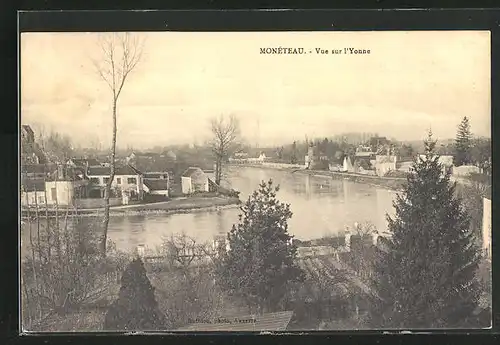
(261, 262)
(426, 277)
(61, 267)
(136, 308)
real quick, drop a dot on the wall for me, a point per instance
(64, 192)
(159, 192)
(124, 185)
(487, 226)
(186, 185)
(96, 203)
(383, 168)
(384, 164)
(199, 182)
(465, 170)
(30, 196)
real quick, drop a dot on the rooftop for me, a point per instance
(31, 185)
(85, 161)
(106, 171)
(190, 171)
(156, 184)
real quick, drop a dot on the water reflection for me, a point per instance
(320, 205)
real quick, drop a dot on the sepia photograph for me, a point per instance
(255, 181)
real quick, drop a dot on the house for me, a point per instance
(33, 192)
(156, 187)
(83, 162)
(157, 175)
(127, 180)
(61, 188)
(194, 180)
(35, 171)
(156, 183)
(384, 164)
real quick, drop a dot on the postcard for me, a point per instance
(255, 181)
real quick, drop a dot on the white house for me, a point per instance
(156, 183)
(127, 179)
(194, 180)
(40, 192)
(33, 192)
(58, 187)
(384, 164)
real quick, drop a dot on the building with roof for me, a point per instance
(52, 184)
(83, 162)
(127, 181)
(194, 180)
(32, 192)
(384, 164)
(156, 186)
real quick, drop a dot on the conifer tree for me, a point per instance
(260, 264)
(463, 143)
(426, 276)
(136, 308)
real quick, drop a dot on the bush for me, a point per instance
(136, 308)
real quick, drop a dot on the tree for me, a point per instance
(224, 142)
(480, 151)
(121, 52)
(406, 150)
(186, 283)
(463, 143)
(136, 307)
(260, 264)
(426, 276)
(293, 159)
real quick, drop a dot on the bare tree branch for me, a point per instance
(113, 67)
(224, 141)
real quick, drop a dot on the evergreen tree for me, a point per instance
(425, 278)
(463, 143)
(260, 264)
(136, 308)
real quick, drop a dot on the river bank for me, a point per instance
(174, 206)
(391, 183)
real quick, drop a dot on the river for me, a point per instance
(321, 206)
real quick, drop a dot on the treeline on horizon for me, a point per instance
(334, 147)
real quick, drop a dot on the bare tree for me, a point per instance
(225, 133)
(121, 52)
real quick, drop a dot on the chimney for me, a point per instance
(60, 172)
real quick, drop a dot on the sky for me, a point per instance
(410, 82)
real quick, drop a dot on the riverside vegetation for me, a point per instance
(64, 274)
